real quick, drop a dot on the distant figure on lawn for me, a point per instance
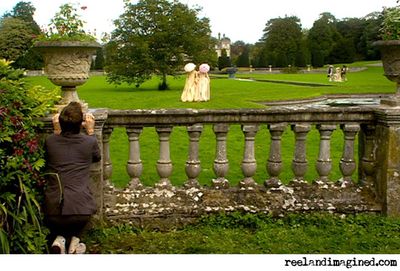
(337, 77)
(203, 86)
(343, 73)
(189, 91)
(197, 85)
(330, 73)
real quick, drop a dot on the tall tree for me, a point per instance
(25, 11)
(351, 30)
(372, 25)
(15, 38)
(322, 38)
(283, 41)
(243, 59)
(240, 54)
(258, 59)
(224, 61)
(27, 57)
(156, 37)
(236, 50)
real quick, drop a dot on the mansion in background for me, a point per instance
(224, 43)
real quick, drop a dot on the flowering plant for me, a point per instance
(67, 25)
(390, 28)
(21, 159)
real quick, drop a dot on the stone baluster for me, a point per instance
(134, 166)
(324, 162)
(347, 162)
(368, 161)
(193, 167)
(299, 163)
(221, 164)
(164, 164)
(249, 164)
(274, 164)
(107, 165)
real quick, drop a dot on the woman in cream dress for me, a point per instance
(203, 85)
(189, 91)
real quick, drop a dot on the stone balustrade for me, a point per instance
(374, 128)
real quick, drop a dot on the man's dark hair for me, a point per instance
(71, 118)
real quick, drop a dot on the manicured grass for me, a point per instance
(235, 233)
(225, 93)
(257, 234)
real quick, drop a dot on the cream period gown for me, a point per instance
(189, 90)
(203, 86)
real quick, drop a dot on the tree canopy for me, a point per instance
(282, 41)
(18, 30)
(15, 38)
(156, 37)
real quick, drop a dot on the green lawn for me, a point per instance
(236, 233)
(225, 93)
(257, 234)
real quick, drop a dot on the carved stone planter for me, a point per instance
(67, 64)
(390, 53)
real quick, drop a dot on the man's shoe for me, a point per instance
(80, 248)
(73, 245)
(58, 246)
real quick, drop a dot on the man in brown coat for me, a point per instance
(69, 202)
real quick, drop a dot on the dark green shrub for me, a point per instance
(21, 158)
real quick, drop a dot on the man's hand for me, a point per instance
(89, 123)
(56, 124)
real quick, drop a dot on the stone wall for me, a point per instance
(166, 207)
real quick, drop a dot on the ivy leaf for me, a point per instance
(38, 164)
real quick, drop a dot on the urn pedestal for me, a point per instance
(390, 54)
(67, 64)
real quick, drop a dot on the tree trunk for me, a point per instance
(163, 85)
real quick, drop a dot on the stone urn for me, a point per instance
(67, 64)
(390, 54)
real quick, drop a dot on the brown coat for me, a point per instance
(70, 156)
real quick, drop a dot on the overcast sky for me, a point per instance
(237, 19)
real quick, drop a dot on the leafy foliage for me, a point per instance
(18, 30)
(390, 29)
(156, 37)
(283, 38)
(25, 11)
(224, 61)
(21, 158)
(67, 25)
(15, 38)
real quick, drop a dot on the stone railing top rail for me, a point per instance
(287, 114)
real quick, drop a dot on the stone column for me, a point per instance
(324, 162)
(134, 166)
(107, 164)
(221, 164)
(164, 164)
(347, 162)
(96, 170)
(367, 152)
(274, 164)
(299, 163)
(388, 159)
(193, 167)
(249, 163)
